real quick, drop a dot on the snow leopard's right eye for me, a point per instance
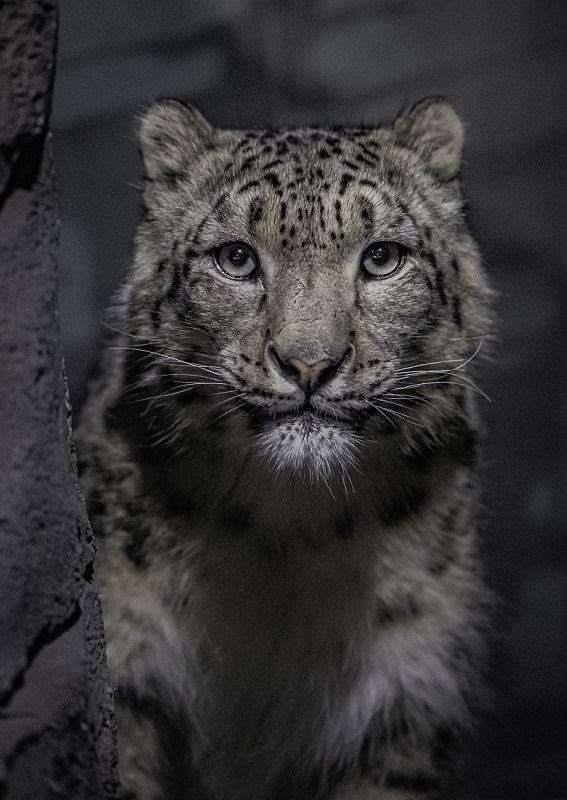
(237, 260)
(382, 259)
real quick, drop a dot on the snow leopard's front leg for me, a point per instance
(366, 790)
(147, 662)
(139, 759)
(154, 755)
(371, 789)
(411, 773)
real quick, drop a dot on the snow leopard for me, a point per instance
(280, 460)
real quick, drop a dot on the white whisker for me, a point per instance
(228, 411)
(468, 383)
(406, 371)
(167, 357)
(415, 397)
(185, 388)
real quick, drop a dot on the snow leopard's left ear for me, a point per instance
(171, 135)
(433, 128)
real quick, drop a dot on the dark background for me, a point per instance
(256, 62)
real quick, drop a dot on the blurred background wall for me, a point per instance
(257, 62)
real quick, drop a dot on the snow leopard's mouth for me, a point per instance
(307, 417)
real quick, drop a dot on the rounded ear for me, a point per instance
(433, 129)
(172, 133)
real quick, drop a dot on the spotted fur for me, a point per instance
(293, 599)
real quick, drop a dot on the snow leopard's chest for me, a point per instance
(312, 647)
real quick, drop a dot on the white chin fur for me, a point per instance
(308, 445)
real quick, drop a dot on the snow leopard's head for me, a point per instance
(305, 291)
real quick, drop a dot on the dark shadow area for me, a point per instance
(258, 62)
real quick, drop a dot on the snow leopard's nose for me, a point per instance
(309, 376)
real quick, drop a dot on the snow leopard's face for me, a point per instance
(308, 290)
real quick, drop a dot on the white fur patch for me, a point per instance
(319, 448)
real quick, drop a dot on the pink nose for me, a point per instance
(308, 376)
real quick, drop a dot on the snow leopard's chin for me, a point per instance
(309, 445)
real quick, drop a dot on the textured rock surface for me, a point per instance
(56, 719)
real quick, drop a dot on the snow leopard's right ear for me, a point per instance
(433, 128)
(171, 135)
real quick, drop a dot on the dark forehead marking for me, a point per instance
(338, 214)
(372, 156)
(250, 185)
(248, 162)
(349, 164)
(357, 133)
(199, 230)
(404, 208)
(321, 214)
(386, 198)
(244, 143)
(366, 213)
(346, 178)
(365, 160)
(220, 201)
(271, 164)
(255, 213)
(273, 179)
(393, 175)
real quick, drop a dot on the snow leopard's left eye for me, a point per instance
(382, 259)
(237, 260)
